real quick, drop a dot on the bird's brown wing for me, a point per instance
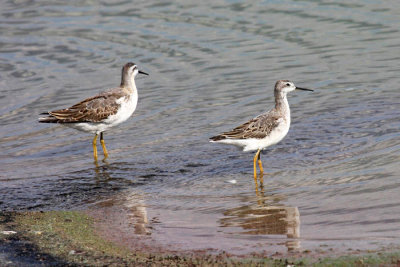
(258, 127)
(93, 109)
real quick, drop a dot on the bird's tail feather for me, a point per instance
(217, 138)
(49, 119)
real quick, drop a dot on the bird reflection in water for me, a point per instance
(126, 210)
(137, 214)
(266, 218)
(101, 171)
(126, 213)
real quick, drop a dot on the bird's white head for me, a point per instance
(129, 72)
(286, 86)
(133, 70)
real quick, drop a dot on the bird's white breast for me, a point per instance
(126, 109)
(273, 138)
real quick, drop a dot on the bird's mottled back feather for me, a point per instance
(93, 109)
(258, 127)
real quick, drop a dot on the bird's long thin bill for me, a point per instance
(142, 72)
(304, 89)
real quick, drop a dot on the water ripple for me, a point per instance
(212, 66)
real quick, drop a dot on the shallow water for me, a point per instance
(333, 181)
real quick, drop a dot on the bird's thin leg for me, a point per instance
(260, 164)
(255, 166)
(103, 144)
(95, 147)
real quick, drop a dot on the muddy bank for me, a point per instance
(74, 238)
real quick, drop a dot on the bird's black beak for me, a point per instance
(304, 89)
(142, 72)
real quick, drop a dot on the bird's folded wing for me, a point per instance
(93, 109)
(259, 127)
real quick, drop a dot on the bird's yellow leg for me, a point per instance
(255, 165)
(260, 164)
(103, 144)
(95, 147)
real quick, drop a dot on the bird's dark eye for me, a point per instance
(288, 84)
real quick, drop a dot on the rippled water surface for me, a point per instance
(333, 181)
